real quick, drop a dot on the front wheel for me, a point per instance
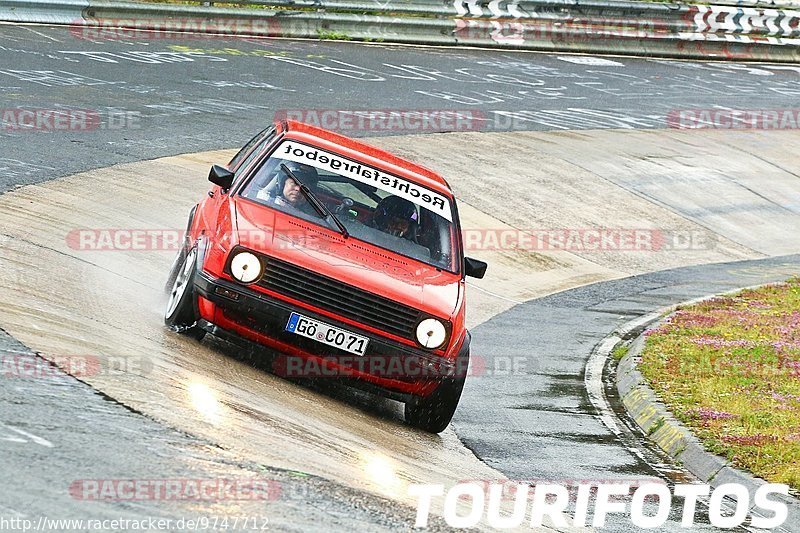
(433, 413)
(180, 314)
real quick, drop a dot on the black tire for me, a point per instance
(433, 413)
(178, 262)
(180, 314)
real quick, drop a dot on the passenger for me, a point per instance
(396, 216)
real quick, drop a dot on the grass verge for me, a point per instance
(729, 368)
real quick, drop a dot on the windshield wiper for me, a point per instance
(318, 206)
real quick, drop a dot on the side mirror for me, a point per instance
(474, 268)
(221, 176)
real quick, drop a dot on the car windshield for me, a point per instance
(376, 207)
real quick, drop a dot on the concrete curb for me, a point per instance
(662, 428)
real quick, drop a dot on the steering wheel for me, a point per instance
(345, 206)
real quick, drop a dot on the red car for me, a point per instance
(342, 258)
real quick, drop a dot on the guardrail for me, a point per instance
(600, 26)
(766, 4)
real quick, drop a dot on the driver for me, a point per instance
(396, 216)
(288, 190)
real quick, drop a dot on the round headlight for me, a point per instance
(431, 333)
(245, 267)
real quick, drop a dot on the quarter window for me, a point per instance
(247, 153)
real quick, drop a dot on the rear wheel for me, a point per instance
(433, 413)
(180, 314)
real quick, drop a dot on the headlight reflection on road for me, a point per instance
(205, 401)
(380, 471)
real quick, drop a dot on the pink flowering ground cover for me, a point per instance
(729, 368)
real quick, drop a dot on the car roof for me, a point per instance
(403, 167)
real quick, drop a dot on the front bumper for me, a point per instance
(388, 365)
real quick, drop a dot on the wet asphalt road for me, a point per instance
(527, 415)
(533, 419)
(155, 97)
(205, 94)
(97, 446)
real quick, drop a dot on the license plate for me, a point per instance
(327, 334)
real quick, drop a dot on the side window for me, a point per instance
(237, 160)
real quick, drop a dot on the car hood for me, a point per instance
(350, 261)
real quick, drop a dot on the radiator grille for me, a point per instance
(345, 300)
